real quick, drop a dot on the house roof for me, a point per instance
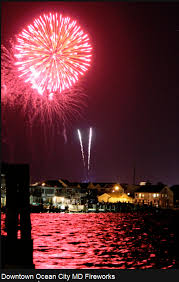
(104, 184)
(52, 183)
(114, 197)
(150, 188)
(84, 185)
(74, 184)
(65, 181)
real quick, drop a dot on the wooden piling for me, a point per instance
(17, 252)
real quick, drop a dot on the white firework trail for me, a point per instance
(82, 151)
(89, 147)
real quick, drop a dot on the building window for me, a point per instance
(154, 195)
(139, 195)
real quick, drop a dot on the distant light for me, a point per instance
(116, 188)
(142, 183)
(43, 184)
(35, 184)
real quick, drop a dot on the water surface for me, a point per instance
(100, 240)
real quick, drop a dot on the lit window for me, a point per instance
(157, 195)
(140, 195)
(154, 195)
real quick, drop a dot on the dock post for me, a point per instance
(17, 252)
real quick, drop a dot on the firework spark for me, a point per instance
(47, 58)
(52, 53)
(81, 144)
(89, 147)
(19, 95)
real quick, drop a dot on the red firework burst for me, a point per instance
(52, 53)
(44, 108)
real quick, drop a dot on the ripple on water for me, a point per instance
(106, 240)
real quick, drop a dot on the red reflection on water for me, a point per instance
(3, 232)
(103, 240)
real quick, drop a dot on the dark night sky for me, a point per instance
(132, 88)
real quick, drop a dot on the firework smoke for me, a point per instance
(41, 70)
(19, 96)
(64, 132)
(42, 77)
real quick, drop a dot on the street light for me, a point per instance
(116, 188)
(54, 200)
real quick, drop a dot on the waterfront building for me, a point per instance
(155, 195)
(115, 197)
(64, 194)
(175, 191)
(73, 192)
(3, 191)
(45, 191)
(58, 194)
(102, 187)
(130, 189)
